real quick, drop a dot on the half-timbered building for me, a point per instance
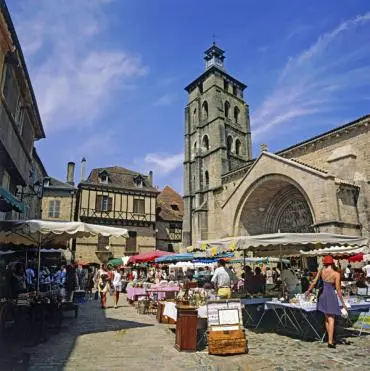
(119, 197)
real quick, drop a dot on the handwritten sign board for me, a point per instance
(214, 307)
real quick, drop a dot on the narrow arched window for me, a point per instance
(236, 114)
(194, 117)
(237, 146)
(206, 179)
(205, 143)
(194, 152)
(227, 109)
(229, 143)
(205, 110)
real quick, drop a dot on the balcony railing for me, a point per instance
(116, 215)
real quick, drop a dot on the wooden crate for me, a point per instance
(227, 342)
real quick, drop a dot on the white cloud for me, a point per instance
(74, 75)
(165, 100)
(320, 79)
(163, 164)
(298, 30)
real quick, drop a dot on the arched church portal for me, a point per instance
(275, 204)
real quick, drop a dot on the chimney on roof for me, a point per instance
(83, 169)
(151, 177)
(71, 173)
(264, 148)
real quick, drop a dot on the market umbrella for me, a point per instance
(356, 258)
(42, 232)
(115, 262)
(174, 258)
(148, 256)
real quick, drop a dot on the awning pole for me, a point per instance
(39, 264)
(244, 271)
(281, 269)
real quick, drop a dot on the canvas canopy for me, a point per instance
(174, 258)
(190, 265)
(259, 260)
(277, 244)
(148, 256)
(335, 250)
(41, 232)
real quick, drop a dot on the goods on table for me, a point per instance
(303, 300)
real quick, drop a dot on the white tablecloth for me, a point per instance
(171, 311)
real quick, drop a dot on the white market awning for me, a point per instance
(334, 250)
(42, 232)
(277, 244)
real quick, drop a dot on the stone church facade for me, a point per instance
(319, 185)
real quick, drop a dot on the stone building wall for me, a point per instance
(67, 204)
(318, 152)
(86, 247)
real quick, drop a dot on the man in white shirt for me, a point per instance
(117, 285)
(290, 281)
(366, 270)
(348, 272)
(221, 279)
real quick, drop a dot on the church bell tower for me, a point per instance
(217, 139)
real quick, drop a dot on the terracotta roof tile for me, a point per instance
(170, 205)
(120, 177)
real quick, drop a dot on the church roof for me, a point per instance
(55, 186)
(119, 177)
(334, 131)
(170, 205)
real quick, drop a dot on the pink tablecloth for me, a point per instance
(134, 292)
(162, 291)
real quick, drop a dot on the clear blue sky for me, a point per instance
(109, 74)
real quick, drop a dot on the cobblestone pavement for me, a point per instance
(122, 339)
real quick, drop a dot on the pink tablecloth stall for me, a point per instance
(162, 292)
(134, 292)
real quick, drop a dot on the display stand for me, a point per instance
(226, 334)
(186, 328)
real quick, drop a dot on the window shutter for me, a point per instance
(142, 206)
(98, 203)
(57, 209)
(51, 208)
(109, 204)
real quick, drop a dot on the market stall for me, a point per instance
(33, 311)
(301, 317)
(279, 246)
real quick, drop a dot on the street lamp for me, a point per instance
(37, 190)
